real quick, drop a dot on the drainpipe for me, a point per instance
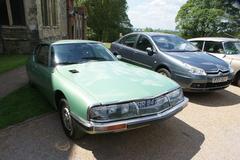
(67, 5)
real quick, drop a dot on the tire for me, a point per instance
(164, 72)
(70, 126)
(238, 81)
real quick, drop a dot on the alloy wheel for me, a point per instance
(67, 120)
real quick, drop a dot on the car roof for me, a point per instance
(150, 33)
(73, 41)
(215, 39)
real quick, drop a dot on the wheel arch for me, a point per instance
(57, 96)
(163, 66)
(237, 75)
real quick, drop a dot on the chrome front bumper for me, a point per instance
(123, 125)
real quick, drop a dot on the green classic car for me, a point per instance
(95, 93)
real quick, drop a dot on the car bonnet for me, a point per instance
(202, 60)
(116, 81)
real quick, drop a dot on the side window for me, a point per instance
(52, 57)
(42, 55)
(143, 43)
(198, 44)
(213, 47)
(129, 40)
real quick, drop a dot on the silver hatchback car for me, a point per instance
(227, 49)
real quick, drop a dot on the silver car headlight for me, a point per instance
(112, 112)
(195, 70)
(176, 97)
(136, 108)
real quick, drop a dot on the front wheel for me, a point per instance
(164, 72)
(70, 126)
(238, 81)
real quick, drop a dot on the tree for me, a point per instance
(209, 18)
(107, 18)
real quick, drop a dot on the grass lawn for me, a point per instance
(108, 45)
(9, 62)
(21, 105)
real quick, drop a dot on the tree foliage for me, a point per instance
(107, 18)
(209, 18)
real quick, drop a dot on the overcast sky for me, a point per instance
(154, 13)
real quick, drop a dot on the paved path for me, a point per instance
(207, 129)
(12, 80)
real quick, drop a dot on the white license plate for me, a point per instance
(219, 79)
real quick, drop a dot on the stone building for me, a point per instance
(25, 23)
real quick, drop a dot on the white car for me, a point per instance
(227, 49)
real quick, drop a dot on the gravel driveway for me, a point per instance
(208, 128)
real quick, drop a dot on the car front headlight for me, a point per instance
(195, 70)
(111, 112)
(137, 108)
(176, 97)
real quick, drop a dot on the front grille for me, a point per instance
(210, 85)
(213, 85)
(198, 85)
(226, 72)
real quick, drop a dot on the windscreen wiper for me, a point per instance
(67, 63)
(94, 58)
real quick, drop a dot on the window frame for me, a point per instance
(49, 13)
(141, 35)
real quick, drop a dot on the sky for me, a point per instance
(154, 13)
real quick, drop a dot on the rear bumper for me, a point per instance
(123, 125)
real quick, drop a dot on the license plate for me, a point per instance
(146, 103)
(219, 79)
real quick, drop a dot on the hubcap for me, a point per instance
(67, 119)
(163, 73)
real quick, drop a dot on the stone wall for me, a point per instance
(23, 39)
(19, 39)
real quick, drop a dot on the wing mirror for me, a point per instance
(150, 51)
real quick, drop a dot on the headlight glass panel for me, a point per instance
(136, 108)
(175, 97)
(112, 112)
(195, 70)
